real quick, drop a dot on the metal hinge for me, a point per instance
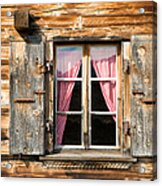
(126, 127)
(126, 66)
(49, 66)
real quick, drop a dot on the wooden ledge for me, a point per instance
(89, 155)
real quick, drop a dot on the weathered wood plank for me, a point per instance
(27, 120)
(39, 169)
(45, 24)
(99, 21)
(80, 11)
(124, 31)
(126, 59)
(143, 79)
(49, 135)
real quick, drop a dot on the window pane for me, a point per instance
(71, 132)
(103, 61)
(69, 61)
(103, 130)
(103, 96)
(69, 96)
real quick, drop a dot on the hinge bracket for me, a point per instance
(49, 66)
(126, 127)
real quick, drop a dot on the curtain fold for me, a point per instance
(107, 68)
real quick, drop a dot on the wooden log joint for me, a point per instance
(24, 100)
(21, 20)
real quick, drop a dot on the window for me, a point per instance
(86, 91)
(68, 103)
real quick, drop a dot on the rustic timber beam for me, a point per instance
(22, 20)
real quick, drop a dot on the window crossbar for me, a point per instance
(102, 113)
(69, 112)
(104, 79)
(68, 79)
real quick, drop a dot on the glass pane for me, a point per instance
(103, 96)
(69, 61)
(103, 130)
(71, 132)
(69, 96)
(103, 61)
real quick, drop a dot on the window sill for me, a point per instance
(89, 155)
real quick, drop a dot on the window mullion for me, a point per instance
(85, 97)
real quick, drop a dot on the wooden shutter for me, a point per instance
(27, 98)
(143, 95)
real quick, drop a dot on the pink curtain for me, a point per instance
(68, 67)
(107, 68)
(65, 90)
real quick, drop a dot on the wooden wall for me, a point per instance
(106, 19)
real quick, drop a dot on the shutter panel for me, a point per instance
(27, 98)
(143, 97)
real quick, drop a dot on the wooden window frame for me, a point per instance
(86, 79)
(90, 79)
(56, 79)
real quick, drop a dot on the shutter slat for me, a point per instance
(27, 108)
(143, 95)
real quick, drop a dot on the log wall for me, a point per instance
(109, 20)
